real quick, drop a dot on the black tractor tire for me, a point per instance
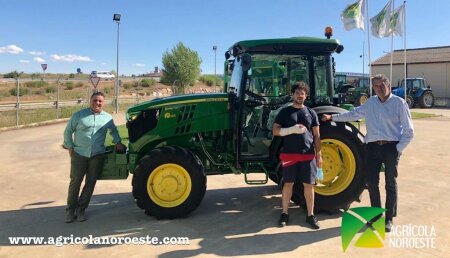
(338, 137)
(410, 101)
(169, 182)
(362, 98)
(426, 100)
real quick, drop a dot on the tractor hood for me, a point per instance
(178, 100)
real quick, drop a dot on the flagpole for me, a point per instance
(368, 47)
(404, 42)
(392, 42)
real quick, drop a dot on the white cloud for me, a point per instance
(103, 64)
(24, 61)
(39, 59)
(140, 65)
(70, 58)
(36, 53)
(11, 49)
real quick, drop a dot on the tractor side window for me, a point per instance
(320, 79)
(416, 84)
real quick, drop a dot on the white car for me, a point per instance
(103, 75)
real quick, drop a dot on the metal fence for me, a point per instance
(58, 100)
(23, 111)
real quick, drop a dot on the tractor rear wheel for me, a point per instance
(169, 182)
(343, 169)
(426, 100)
(362, 98)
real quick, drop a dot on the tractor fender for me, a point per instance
(337, 110)
(329, 110)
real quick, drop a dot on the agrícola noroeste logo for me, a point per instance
(365, 220)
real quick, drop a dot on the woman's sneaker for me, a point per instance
(284, 219)
(312, 221)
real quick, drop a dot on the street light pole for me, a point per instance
(116, 18)
(215, 74)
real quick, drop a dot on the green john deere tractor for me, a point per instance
(175, 142)
(356, 93)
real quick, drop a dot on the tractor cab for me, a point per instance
(261, 74)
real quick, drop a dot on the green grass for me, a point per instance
(29, 116)
(416, 115)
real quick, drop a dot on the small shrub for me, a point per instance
(72, 75)
(38, 92)
(107, 90)
(79, 85)
(69, 85)
(147, 82)
(127, 85)
(50, 89)
(22, 91)
(36, 84)
(13, 74)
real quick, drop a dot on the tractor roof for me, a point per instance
(295, 45)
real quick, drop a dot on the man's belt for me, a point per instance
(383, 142)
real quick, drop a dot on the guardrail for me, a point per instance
(57, 104)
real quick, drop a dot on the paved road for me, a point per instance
(233, 220)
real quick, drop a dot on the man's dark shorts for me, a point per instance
(304, 172)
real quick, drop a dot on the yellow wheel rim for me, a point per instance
(339, 167)
(363, 99)
(169, 185)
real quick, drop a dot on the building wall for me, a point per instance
(437, 75)
(397, 72)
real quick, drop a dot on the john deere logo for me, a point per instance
(363, 220)
(169, 115)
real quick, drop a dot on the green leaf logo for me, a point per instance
(394, 19)
(352, 11)
(363, 220)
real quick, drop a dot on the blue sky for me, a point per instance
(81, 34)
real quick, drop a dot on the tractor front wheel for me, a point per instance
(169, 182)
(410, 101)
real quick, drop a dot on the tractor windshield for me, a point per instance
(272, 76)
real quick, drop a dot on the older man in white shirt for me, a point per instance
(389, 131)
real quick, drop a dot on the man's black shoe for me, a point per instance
(388, 225)
(284, 219)
(312, 221)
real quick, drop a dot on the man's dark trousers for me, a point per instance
(376, 155)
(81, 166)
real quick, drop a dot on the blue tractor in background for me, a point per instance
(417, 94)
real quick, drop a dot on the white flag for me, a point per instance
(397, 21)
(380, 22)
(353, 15)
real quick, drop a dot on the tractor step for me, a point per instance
(255, 168)
(256, 181)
